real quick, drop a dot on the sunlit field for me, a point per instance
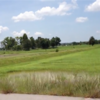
(74, 69)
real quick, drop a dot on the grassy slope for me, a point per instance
(68, 59)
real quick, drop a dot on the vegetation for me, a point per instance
(67, 59)
(75, 69)
(52, 83)
(92, 41)
(23, 43)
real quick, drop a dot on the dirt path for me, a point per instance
(38, 97)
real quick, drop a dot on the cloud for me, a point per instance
(20, 33)
(38, 34)
(95, 6)
(3, 29)
(26, 16)
(63, 9)
(81, 19)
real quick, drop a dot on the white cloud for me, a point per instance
(38, 34)
(20, 33)
(97, 31)
(26, 16)
(81, 19)
(62, 10)
(3, 29)
(95, 6)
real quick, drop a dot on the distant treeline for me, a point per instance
(25, 43)
(91, 41)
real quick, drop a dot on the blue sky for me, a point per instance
(71, 20)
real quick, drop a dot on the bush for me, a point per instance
(57, 50)
(17, 47)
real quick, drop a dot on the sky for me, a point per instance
(71, 20)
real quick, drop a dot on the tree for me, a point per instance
(17, 39)
(8, 43)
(26, 44)
(25, 37)
(45, 43)
(38, 42)
(57, 39)
(33, 44)
(92, 41)
(53, 42)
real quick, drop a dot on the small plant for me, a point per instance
(57, 50)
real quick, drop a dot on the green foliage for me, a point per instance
(57, 50)
(38, 42)
(26, 45)
(45, 43)
(25, 37)
(23, 43)
(17, 47)
(8, 43)
(33, 44)
(55, 41)
(92, 41)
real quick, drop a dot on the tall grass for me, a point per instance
(52, 83)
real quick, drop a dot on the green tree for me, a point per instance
(26, 44)
(53, 42)
(33, 44)
(92, 40)
(25, 37)
(45, 43)
(38, 42)
(8, 43)
(17, 39)
(57, 39)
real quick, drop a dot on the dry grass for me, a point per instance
(65, 84)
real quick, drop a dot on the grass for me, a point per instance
(74, 69)
(52, 83)
(78, 59)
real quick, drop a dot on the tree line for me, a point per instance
(92, 41)
(25, 43)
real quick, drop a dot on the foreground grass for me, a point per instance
(63, 84)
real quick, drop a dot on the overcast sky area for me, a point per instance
(71, 20)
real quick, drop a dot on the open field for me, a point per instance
(71, 59)
(74, 69)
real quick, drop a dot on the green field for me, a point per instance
(74, 69)
(82, 58)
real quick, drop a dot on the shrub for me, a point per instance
(57, 50)
(17, 47)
